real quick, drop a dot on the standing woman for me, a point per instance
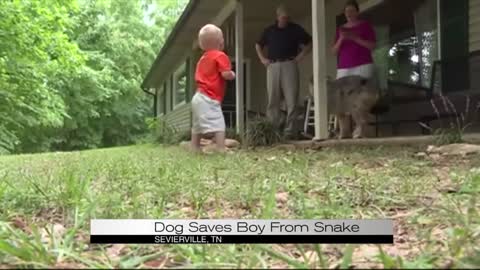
(354, 42)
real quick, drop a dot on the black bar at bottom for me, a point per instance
(241, 239)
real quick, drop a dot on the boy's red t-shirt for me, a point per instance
(208, 74)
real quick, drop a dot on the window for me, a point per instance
(407, 36)
(180, 85)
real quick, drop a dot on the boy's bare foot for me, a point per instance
(195, 145)
(221, 150)
(195, 149)
(208, 149)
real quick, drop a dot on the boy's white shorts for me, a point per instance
(207, 115)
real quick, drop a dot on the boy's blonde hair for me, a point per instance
(210, 37)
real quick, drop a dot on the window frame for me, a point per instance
(371, 4)
(179, 72)
(162, 99)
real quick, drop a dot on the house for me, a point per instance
(425, 48)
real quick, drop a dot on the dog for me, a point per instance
(351, 96)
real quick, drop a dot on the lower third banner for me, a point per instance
(241, 239)
(206, 231)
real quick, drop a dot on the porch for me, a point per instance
(423, 141)
(415, 88)
(415, 60)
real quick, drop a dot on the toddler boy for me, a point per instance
(213, 69)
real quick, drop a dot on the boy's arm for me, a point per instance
(228, 75)
(225, 67)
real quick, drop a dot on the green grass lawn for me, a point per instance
(47, 201)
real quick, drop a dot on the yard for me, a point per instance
(47, 201)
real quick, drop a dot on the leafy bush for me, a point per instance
(70, 71)
(444, 136)
(162, 132)
(457, 124)
(184, 136)
(261, 132)
(231, 133)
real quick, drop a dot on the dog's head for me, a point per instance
(330, 84)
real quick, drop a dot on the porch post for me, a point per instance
(239, 81)
(320, 69)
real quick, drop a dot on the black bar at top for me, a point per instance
(241, 239)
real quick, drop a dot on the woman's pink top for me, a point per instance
(352, 54)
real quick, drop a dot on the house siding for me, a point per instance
(180, 118)
(474, 25)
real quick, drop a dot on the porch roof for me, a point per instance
(196, 14)
(184, 33)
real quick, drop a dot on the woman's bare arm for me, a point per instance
(365, 43)
(337, 45)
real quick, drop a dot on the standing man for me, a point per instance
(287, 43)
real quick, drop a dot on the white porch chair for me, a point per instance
(310, 117)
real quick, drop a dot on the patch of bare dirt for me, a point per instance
(374, 164)
(364, 257)
(68, 265)
(459, 149)
(444, 181)
(115, 251)
(227, 210)
(49, 216)
(406, 242)
(281, 198)
(440, 159)
(21, 224)
(159, 263)
(208, 145)
(51, 233)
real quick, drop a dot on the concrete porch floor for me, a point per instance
(472, 138)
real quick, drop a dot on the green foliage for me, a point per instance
(35, 52)
(439, 228)
(457, 122)
(444, 136)
(163, 132)
(70, 71)
(260, 132)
